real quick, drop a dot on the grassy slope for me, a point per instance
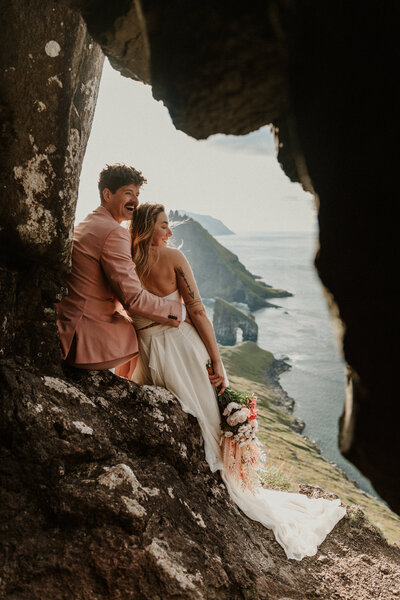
(290, 453)
(228, 309)
(233, 263)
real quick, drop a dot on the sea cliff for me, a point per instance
(218, 271)
(211, 224)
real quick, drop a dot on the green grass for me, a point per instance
(246, 360)
(229, 309)
(258, 288)
(276, 477)
(291, 458)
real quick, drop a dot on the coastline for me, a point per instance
(281, 398)
(286, 403)
(301, 329)
(293, 456)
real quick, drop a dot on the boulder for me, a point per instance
(108, 495)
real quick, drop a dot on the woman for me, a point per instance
(175, 358)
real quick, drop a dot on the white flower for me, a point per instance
(245, 428)
(229, 408)
(239, 416)
(228, 433)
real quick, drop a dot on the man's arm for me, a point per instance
(119, 269)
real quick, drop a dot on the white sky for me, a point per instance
(235, 179)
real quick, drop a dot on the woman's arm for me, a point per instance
(188, 289)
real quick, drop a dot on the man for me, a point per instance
(95, 332)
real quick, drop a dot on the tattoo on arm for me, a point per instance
(198, 311)
(182, 274)
(193, 303)
(196, 308)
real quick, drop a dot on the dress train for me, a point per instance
(175, 358)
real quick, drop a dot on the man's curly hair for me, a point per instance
(113, 177)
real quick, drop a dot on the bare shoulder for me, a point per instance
(171, 255)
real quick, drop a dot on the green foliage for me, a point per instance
(230, 395)
(275, 478)
(229, 309)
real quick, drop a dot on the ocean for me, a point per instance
(301, 331)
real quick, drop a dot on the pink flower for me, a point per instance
(253, 415)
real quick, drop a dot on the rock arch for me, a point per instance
(320, 72)
(227, 319)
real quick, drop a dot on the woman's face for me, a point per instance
(161, 232)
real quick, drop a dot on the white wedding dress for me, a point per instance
(175, 358)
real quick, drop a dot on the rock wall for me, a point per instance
(227, 319)
(50, 76)
(351, 166)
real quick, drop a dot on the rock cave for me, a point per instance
(322, 75)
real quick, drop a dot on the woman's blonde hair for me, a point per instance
(141, 229)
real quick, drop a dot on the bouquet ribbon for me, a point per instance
(238, 440)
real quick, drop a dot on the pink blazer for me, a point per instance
(103, 278)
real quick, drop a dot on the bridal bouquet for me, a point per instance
(239, 444)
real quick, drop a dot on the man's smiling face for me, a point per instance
(122, 204)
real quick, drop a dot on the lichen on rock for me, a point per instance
(125, 502)
(52, 48)
(39, 226)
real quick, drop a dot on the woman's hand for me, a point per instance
(218, 377)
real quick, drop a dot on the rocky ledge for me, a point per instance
(106, 494)
(281, 397)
